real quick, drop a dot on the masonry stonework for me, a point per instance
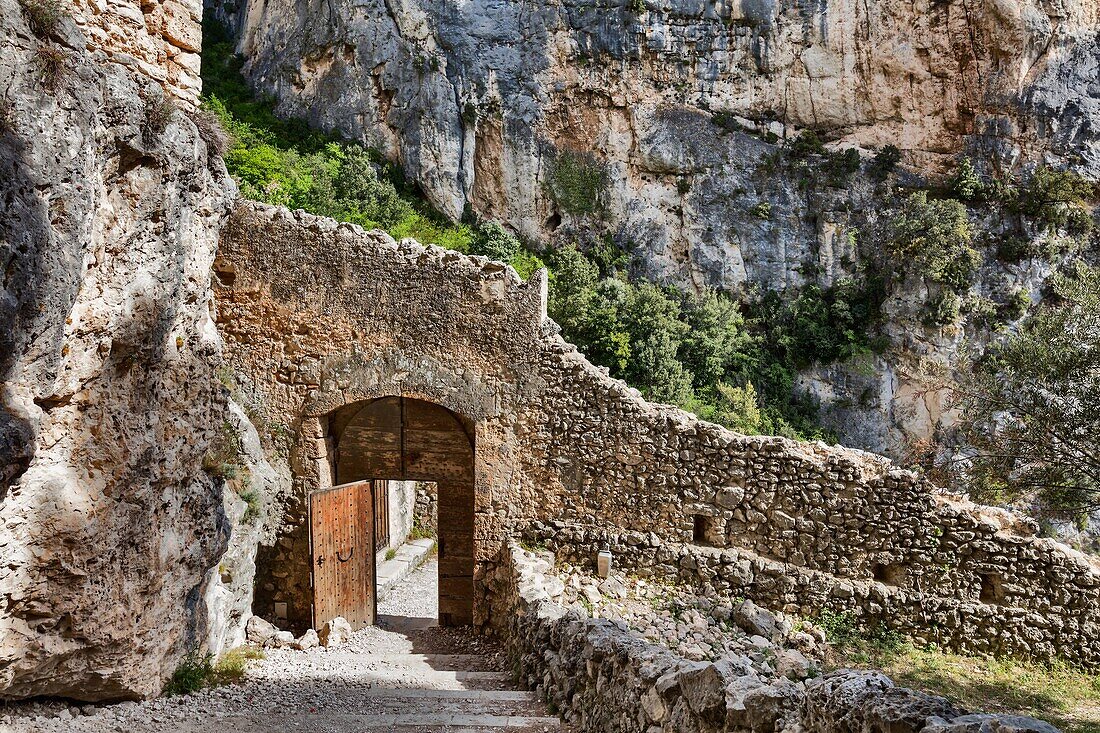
(319, 315)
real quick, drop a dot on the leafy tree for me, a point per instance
(1058, 199)
(716, 343)
(495, 242)
(573, 280)
(652, 319)
(966, 184)
(932, 238)
(1029, 406)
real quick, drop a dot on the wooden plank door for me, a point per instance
(342, 544)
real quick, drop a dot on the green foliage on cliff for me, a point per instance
(728, 363)
(578, 183)
(1029, 406)
(703, 352)
(287, 163)
(932, 239)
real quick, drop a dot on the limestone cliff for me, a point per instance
(111, 532)
(662, 112)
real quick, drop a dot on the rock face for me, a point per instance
(110, 529)
(476, 98)
(649, 122)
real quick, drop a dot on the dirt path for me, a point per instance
(405, 675)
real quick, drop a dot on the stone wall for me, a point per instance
(319, 314)
(426, 511)
(605, 678)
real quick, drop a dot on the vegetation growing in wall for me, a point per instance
(1057, 692)
(43, 16)
(53, 66)
(223, 459)
(157, 111)
(578, 183)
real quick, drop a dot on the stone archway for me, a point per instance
(411, 439)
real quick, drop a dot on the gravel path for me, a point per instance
(406, 674)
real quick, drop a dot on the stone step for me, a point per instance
(397, 723)
(427, 662)
(406, 559)
(436, 694)
(415, 678)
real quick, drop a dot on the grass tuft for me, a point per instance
(197, 671)
(212, 132)
(159, 109)
(53, 66)
(43, 16)
(1067, 697)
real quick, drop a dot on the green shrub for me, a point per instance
(699, 351)
(193, 673)
(1057, 199)
(841, 165)
(578, 183)
(806, 144)
(966, 185)
(944, 308)
(762, 210)
(43, 16)
(726, 120)
(932, 238)
(253, 505)
(1016, 305)
(197, 671)
(495, 242)
(1014, 248)
(885, 162)
(526, 263)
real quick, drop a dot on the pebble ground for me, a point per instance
(405, 675)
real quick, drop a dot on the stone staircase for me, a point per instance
(410, 693)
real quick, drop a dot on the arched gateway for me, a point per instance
(373, 441)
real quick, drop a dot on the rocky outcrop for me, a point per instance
(476, 99)
(604, 677)
(110, 529)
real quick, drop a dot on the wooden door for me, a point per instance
(340, 521)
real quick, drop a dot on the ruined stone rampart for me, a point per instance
(604, 677)
(319, 315)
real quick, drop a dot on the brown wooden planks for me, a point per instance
(342, 554)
